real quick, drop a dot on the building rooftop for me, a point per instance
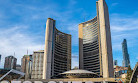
(78, 71)
(39, 51)
(119, 68)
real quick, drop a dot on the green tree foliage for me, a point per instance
(129, 73)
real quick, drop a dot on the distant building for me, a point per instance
(57, 53)
(37, 65)
(75, 68)
(27, 65)
(95, 47)
(0, 58)
(115, 63)
(126, 60)
(18, 67)
(10, 62)
(120, 71)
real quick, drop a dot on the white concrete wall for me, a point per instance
(48, 49)
(106, 47)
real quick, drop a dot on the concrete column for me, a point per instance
(106, 47)
(81, 46)
(69, 53)
(48, 49)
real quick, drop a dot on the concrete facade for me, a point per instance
(95, 36)
(105, 34)
(37, 64)
(10, 62)
(57, 52)
(82, 80)
(26, 66)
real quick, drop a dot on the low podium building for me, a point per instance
(78, 73)
(37, 64)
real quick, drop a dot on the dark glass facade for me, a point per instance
(91, 46)
(61, 53)
(126, 61)
(57, 53)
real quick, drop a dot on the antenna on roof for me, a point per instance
(27, 51)
(14, 54)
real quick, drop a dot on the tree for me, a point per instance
(129, 73)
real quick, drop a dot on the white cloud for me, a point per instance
(114, 4)
(14, 40)
(122, 27)
(18, 39)
(75, 60)
(72, 3)
(73, 30)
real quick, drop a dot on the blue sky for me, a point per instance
(22, 25)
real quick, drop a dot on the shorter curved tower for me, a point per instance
(89, 46)
(57, 53)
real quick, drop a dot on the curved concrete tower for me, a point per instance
(48, 49)
(105, 38)
(95, 48)
(57, 52)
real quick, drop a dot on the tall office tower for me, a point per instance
(115, 62)
(10, 62)
(37, 66)
(126, 61)
(57, 53)
(26, 66)
(95, 49)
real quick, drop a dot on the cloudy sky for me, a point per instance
(22, 25)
